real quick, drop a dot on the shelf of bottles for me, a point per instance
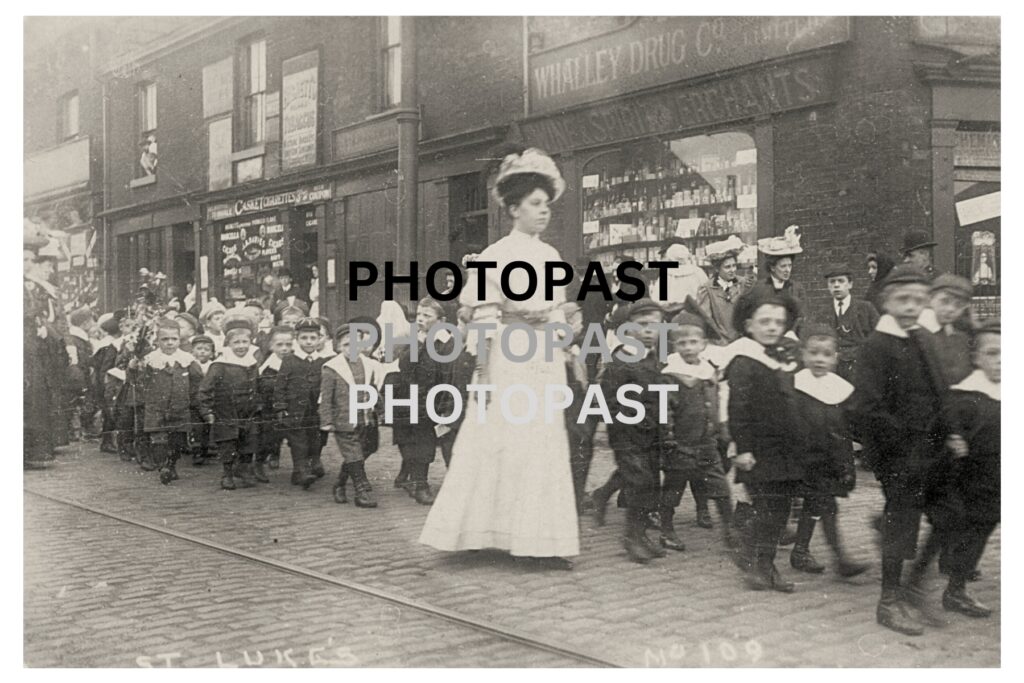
(694, 190)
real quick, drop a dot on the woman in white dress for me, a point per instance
(509, 485)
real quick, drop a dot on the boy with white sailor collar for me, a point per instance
(202, 351)
(279, 344)
(338, 379)
(166, 384)
(104, 360)
(296, 391)
(762, 422)
(895, 407)
(229, 402)
(826, 448)
(697, 430)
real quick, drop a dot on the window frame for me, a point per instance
(390, 62)
(65, 131)
(253, 95)
(143, 108)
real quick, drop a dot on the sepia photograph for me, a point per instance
(413, 341)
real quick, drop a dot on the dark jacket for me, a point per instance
(424, 373)
(80, 378)
(695, 423)
(852, 329)
(763, 420)
(102, 361)
(297, 390)
(230, 393)
(166, 393)
(898, 396)
(793, 290)
(826, 450)
(718, 306)
(954, 353)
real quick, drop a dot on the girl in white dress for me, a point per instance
(509, 485)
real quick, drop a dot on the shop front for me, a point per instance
(248, 240)
(664, 128)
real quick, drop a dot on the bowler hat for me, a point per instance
(957, 284)
(905, 274)
(916, 239)
(837, 270)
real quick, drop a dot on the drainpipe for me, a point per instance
(526, 66)
(109, 271)
(408, 148)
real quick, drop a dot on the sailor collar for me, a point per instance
(324, 353)
(703, 370)
(926, 321)
(246, 361)
(78, 332)
(745, 346)
(158, 360)
(274, 363)
(341, 366)
(978, 382)
(830, 389)
(302, 355)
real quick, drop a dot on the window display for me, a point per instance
(694, 190)
(977, 201)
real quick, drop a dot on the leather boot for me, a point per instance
(424, 495)
(669, 539)
(956, 599)
(915, 600)
(892, 614)
(243, 472)
(301, 476)
(703, 514)
(742, 521)
(653, 548)
(169, 472)
(764, 576)
(403, 476)
(845, 567)
(637, 550)
(800, 558)
(364, 492)
(146, 462)
(339, 488)
(316, 467)
(599, 503)
(227, 480)
(259, 472)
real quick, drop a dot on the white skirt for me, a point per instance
(509, 486)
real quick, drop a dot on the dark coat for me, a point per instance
(793, 290)
(694, 424)
(297, 390)
(80, 379)
(825, 447)
(166, 395)
(897, 400)
(954, 354)
(102, 361)
(968, 488)
(230, 393)
(853, 328)
(763, 420)
(424, 374)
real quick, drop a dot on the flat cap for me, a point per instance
(644, 305)
(837, 269)
(906, 274)
(957, 284)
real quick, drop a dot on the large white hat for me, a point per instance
(721, 250)
(532, 160)
(786, 244)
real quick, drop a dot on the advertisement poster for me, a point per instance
(299, 110)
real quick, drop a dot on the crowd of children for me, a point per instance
(758, 421)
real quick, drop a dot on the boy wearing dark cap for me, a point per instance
(279, 342)
(296, 391)
(103, 360)
(229, 403)
(895, 407)
(640, 449)
(950, 299)
(697, 430)
(852, 319)
(202, 351)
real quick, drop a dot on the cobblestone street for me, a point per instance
(102, 592)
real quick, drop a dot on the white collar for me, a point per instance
(204, 366)
(928, 321)
(777, 283)
(677, 366)
(325, 353)
(844, 302)
(302, 355)
(158, 360)
(340, 365)
(977, 381)
(888, 325)
(78, 332)
(117, 342)
(104, 341)
(274, 363)
(246, 361)
(830, 389)
(745, 346)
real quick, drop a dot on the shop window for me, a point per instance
(468, 216)
(254, 58)
(391, 61)
(68, 124)
(696, 190)
(978, 237)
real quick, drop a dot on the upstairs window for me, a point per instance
(391, 61)
(68, 123)
(147, 130)
(254, 57)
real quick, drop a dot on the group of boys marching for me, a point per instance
(779, 399)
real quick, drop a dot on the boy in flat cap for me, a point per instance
(640, 449)
(950, 300)
(296, 392)
(202, 351)
(103, 360)
(895, 408)
(229, 403)
(852, 319)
